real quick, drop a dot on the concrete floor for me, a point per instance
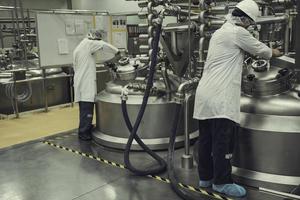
(34, 125)
(35, 171)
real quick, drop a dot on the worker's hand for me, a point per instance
(118, 56)
(276, 53)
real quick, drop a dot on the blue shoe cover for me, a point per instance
(233, 190)
(205, 184)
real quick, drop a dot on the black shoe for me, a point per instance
(85, 137)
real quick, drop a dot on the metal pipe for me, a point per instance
(187, 159)
(71, 85)
(271, 19)
(22, 17)
(144, 48)
(174, 43)
(283, 194)
(287, 36)
(144, 59)
(281, 1)
(298, 36)
(182, 98)
(219, 10)
(17, 19)
(186, 125)
(183, 86)
(15, 96)
(29, 20)
(45, 92)
(1, 38)
(24, 45)
(143, 4)
(260, 20)
(189, 40)
(201, 49)
(6, 20)
(215, 23)
(167, 82)
(34, 79)
(143, 38)
(14, 25)
(143, 15)
(69, 4)
(180, 28)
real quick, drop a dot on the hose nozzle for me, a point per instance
(124, 94)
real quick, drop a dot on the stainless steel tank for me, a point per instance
(156, 124)
(268, 144)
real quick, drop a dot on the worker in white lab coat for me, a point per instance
(217, 103)
(85, 87)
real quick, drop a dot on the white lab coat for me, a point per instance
(218, 92)
(84, 64)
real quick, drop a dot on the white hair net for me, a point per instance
(95, 34)
(244, 21)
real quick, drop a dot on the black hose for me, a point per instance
(133, 130)
(139, 141)
(133, 134)
(171, 170)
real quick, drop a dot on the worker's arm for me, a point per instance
(253, 46)
(97, 45)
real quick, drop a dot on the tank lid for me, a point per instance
(259, 79)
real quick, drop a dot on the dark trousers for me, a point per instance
(86, 112)
(216, 145)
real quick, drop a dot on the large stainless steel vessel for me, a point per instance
(268, 145)
(156, 124)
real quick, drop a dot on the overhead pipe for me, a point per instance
(179, 28)
(260, 20)
(272, 19)
(218, 10)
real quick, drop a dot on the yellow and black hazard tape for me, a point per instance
(85, 155)
(165, 180)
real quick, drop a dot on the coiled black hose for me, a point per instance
(133, 134)
(161, 161)
(133, 130)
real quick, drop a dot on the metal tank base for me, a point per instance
(247, 175)
(154, 144)
(267, 147)
(155, 127)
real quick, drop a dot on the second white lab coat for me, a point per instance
(219, 90)
(84, 64)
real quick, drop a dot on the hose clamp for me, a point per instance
(124, 94)
(179, 98)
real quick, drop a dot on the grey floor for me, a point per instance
(37, 171)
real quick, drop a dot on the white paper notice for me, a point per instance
(80, 27)
(63, 47)
(119, 39)
(70, 27)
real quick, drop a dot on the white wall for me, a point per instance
(30, 4)
(38, 4)
(112, 6)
